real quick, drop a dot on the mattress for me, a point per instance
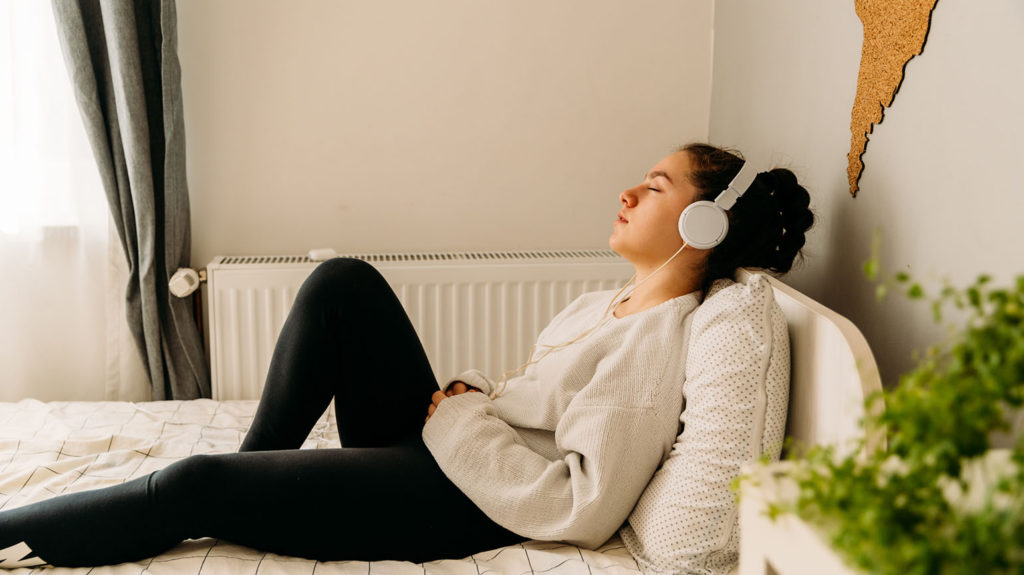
(48, 449)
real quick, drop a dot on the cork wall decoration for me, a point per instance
(894, 32)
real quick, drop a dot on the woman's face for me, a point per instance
(647, 229)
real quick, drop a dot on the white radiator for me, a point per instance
(471, 310)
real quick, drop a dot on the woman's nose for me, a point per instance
(628, 198)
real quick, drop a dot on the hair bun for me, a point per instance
(793, 203)
(767, 226)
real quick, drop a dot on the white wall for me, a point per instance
(370, 125)
(942, 177)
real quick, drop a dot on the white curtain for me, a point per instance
(61, 311)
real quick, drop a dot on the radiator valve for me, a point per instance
(321, 254)
(185, 281)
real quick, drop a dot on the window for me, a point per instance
(53, 223)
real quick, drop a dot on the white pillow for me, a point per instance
(735, 400)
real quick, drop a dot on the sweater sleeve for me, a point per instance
(582, 497)
(472, 377)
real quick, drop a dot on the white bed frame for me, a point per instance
(833, 371)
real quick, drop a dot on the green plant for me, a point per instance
(938, 500)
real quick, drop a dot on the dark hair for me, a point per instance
(766, 225)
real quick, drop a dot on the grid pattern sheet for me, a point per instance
(47, 449)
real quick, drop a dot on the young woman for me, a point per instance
(561, 451)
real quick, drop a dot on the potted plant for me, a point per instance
(940, 499)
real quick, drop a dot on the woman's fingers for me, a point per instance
(437, 397)
(457, 388)
(430, 411)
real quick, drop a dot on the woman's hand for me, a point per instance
(457, 388)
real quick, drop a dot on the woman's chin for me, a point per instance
(614, 245)
(618, 248)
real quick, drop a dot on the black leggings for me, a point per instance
(381, 496)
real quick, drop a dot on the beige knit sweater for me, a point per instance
(566, 450)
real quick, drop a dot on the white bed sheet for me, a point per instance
(47, 449)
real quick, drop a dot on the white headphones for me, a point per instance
(703, 224)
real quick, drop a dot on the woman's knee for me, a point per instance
(343, 276)
(189, 496)
(185, 479)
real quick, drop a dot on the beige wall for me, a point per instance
(943, 171)
(369, 125)
(460, 124)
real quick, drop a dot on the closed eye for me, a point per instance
(654, 189)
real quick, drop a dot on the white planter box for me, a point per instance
(786, 545)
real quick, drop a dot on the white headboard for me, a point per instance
(833, 371)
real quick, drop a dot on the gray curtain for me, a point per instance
(122, 59)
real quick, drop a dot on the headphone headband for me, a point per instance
(737, 187)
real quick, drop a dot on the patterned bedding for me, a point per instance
(47, 449)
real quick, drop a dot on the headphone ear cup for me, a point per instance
(703, 225)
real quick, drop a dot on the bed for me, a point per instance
(61, 447)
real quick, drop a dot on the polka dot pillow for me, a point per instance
(734, 410)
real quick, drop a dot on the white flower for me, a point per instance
(981, 475)
(892, 465)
